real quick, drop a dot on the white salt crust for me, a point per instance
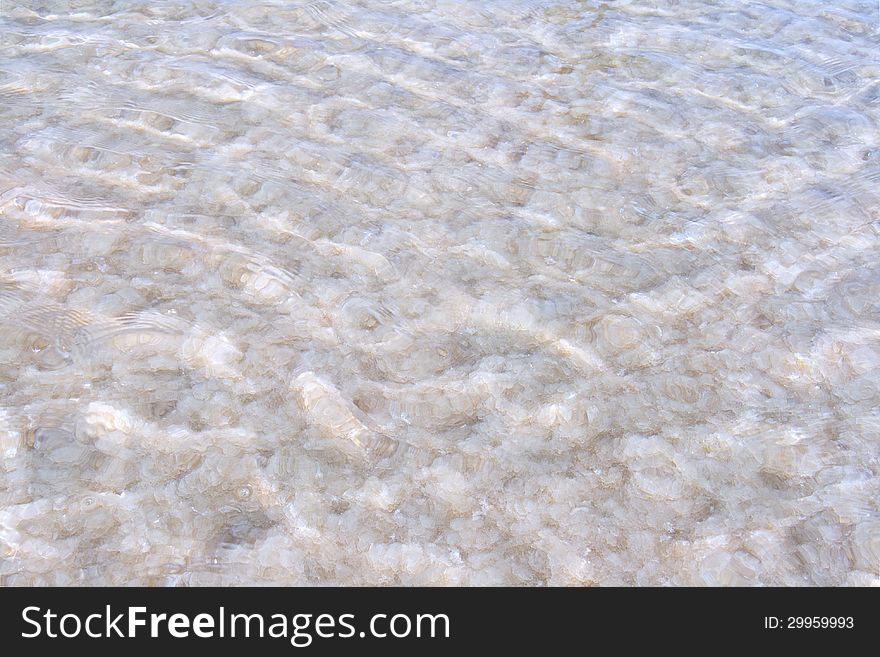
(439, 292)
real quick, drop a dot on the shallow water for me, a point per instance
(439, 292)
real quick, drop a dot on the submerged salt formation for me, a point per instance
(439, 293)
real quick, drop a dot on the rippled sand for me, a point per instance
(439, 292)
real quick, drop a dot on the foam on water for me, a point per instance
(439, 292)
